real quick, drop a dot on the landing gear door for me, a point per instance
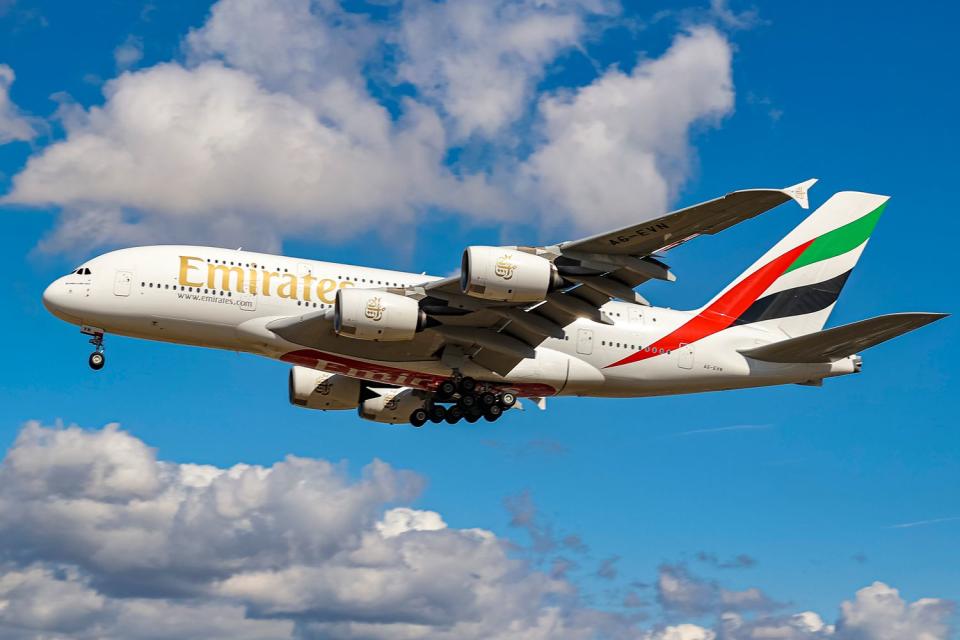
(584, 341)
(122, 283)
(685, 356)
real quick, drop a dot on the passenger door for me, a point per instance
(685, 356)
(584, 341)
(122, 282)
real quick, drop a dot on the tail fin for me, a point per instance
(840, 342)
(795, 285)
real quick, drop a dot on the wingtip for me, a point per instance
(798, 192)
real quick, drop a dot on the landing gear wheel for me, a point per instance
(446, 389)
(473, 414)
(493, 412)
(437, 413)
(453, 414)
(97, 360)
(487, 399)
(508, 399)
(468, 401)
(419, 417)
(467, 385)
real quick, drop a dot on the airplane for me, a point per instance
(517, 321)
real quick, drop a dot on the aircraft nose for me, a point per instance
(53, 296)
(60, 300)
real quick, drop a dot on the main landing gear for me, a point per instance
(462, 398)
(97, 359)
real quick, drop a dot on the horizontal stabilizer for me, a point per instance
(833, 344)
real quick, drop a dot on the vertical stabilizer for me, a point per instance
(795, 285)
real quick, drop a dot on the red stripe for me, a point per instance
(724, 310)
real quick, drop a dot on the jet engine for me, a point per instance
(364, 314)
(507, 275)
(314, 389)
(392, 406)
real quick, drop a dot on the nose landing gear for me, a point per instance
(97, 359)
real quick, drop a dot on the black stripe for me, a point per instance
(795, 302)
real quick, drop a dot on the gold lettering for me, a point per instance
(225, 273)
(289, 288)
(325, 287)
(308, 281)
(266, 281)
(185, 266)
(252, 279)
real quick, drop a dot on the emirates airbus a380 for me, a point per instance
(522, 321)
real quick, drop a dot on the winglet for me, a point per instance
(799, 192)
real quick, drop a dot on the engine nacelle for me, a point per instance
(506, 275)
(392, 406)
(364, 314)
(314, 389)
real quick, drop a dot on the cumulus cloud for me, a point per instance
(101, 539)
(617, 150)
(212, 153)
(291, 46)
(268, 128)
(93, 521)
(879, 613)
(479, 61)
(14, 125)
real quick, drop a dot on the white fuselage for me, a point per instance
(221, 298)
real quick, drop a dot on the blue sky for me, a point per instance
(810, 483)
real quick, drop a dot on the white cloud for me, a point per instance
(269, 130)
(100, 539)
(402, 519)
(92, 520)
(209, 153)
(128, 53)
(480, 60)
(618, 150)
(683, 632)
(879, 613)
(292, 46)
(13, 124)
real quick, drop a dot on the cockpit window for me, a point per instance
(86, 271)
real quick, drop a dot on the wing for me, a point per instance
(666, 232)
(595, 270)
(496, 336)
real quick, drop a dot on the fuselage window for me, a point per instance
(151, 285)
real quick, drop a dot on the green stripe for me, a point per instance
(840, 240)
